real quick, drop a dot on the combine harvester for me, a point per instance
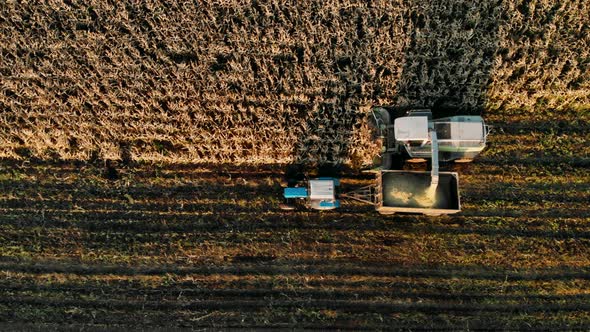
(415, 137)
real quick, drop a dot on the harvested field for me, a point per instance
(187, 246)
(143, 145)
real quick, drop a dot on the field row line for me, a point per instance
(300, 268)
(343, 305)
(289, 293)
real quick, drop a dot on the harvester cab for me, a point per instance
(318, 194)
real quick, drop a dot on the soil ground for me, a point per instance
(193, 246)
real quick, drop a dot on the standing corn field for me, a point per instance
(268, 81)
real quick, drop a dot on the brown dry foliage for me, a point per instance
(270, 81)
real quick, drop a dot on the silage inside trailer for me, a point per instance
(407, 190)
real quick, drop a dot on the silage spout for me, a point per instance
(428, 197)
(434, 151)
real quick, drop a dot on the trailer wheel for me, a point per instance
(463, 160)
(286, 207)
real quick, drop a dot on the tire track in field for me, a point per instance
(357, 306)
(303, 267)
(272, 221)
(184, 294)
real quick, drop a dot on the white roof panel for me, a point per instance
(411, 128)
(321, 189)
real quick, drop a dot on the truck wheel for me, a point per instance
(286, 207)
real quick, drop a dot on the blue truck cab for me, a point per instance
(320, 193)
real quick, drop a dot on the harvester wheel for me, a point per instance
(286, 207)
(463, 160)
(416, 160)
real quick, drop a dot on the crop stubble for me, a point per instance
(176, 240)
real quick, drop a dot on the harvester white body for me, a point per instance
(460, 138)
